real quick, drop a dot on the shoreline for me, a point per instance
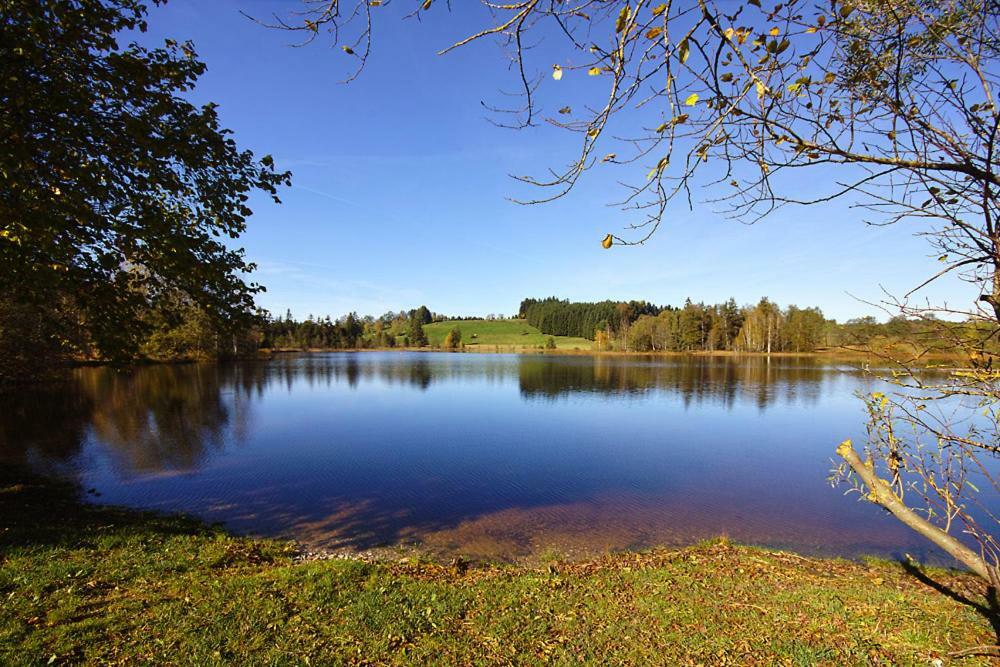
(96, 583)
(491, 349)
(934, 361)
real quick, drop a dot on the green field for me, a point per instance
(505, 333)
(81, 584)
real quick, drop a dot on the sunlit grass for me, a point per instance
(487, 334)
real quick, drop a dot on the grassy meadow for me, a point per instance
(488, 334)
(88, 584)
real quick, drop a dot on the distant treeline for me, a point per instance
(350, 331)
(629, 326)
(639, 326)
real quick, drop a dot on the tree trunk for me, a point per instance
(881, 492)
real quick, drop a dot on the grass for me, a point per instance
(488, 334)
(80, 583)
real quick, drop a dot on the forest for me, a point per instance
(187, 332)
(639, 326)
(629, 326)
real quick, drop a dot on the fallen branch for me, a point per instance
(976, 650)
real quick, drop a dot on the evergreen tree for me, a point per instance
(415, 334)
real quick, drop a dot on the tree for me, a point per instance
(350, 329)
(453, 340)
(415, 335)
(761, 330)
(115, 192)
(803, 329)
(422, 314)
(693, 326)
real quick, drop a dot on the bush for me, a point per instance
(453, 340)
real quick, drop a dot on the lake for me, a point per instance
(484, 455)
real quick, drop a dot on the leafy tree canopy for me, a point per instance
(115, 192)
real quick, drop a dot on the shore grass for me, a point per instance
(489, 334)
(90, 584)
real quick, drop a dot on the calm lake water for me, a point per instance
(496, 456)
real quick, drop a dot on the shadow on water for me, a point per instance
(497, 456)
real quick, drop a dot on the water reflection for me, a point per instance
(717, 379)
(489, 455)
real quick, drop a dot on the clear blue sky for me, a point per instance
(400, 185)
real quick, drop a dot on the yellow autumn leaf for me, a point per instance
(594, 71)
(556, 72)
(684, 51)
(659, 9)
(692, 99)
(775, 32)
(623, 17)
(607, 241)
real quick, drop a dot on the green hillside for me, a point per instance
(505, 333)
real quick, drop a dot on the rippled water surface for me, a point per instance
(497, 456)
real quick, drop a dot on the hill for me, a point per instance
(503, 333)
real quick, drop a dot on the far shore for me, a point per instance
(839, 353)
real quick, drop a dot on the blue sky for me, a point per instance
(400, 188)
